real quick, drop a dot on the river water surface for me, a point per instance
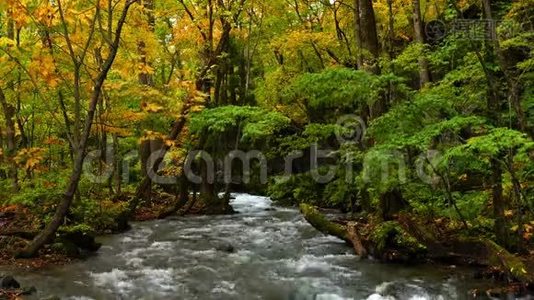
(259, 253)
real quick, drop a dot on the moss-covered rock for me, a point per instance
(66, 248)
(81, 237)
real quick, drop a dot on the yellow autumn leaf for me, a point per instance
(4, 41)
(152, 107)
(145, 69)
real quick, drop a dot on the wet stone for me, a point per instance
(225, 247)
(8, 282)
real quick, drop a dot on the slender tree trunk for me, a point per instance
(499, 204)
(357, 34)
(48, 233)
(424, 72)
(511, 79)
(146, 78)
(9, 114)
(117, 165)
(391, 29)
(493, 105)
(144, 191)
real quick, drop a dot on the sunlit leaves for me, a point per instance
(43, 67)
(30, 158)
(255, 123)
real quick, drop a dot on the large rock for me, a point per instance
(27, 291)
(225, 247)
(8, 283)
(83, 240)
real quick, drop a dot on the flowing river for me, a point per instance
(263, 252)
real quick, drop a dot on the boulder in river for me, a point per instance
(8, 282)
(225, 247)
(28, 291)
(82, 240)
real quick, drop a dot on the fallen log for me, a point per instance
(321, 223)
(355, 238)
(349, 233)
(479, 251)
(26, 235)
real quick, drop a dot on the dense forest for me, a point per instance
(415, 118)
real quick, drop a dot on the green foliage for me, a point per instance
(390, 235)
(338, 88)
(254, 122)
(38, 192)
(295, 189)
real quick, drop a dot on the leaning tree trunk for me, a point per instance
(48, 233)
(348, 233)
(146, 183)
(182, 198)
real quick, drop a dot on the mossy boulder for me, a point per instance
(76, 240)
(66, 248)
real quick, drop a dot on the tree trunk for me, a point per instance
(354, 236)
(146, 78)
(117, 165)
(493, 105)
(9, 113)
(48, 233)
(358, 35)
(391, 29)
(424, 72)
(371, 51)
(369, 37)
(499, 204)
(510, 75)
(181, 199)
(9, 116)
(146, 183)
(347, 233)
(322, 224)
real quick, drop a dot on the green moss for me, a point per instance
(321, 223)
(392, 235)
(511, 264)
(67, 248)
(81, 228)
